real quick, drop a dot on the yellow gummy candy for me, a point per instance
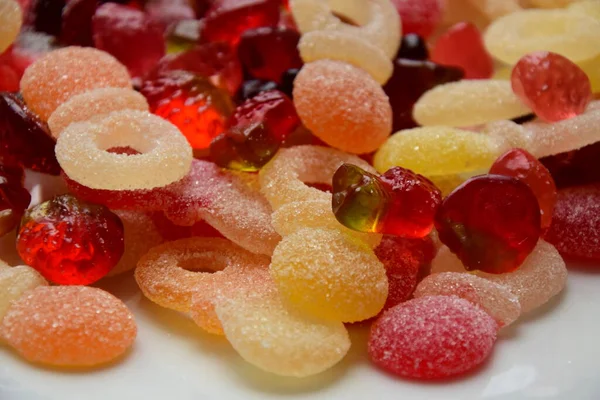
(11, 17)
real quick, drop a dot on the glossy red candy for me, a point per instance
(169, 12)
(575, 225)
(131, 36)
(266, 53)
(70, 242)
(578, 167)
(77, 22)
(554, 87)
(413, 47)
(14, 199)
(227, 20)
(419, 16)
(24, 138)
(491, 222)
(520, 164)
(462, 46)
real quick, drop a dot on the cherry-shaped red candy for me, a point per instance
(419, 16)
(14, 199)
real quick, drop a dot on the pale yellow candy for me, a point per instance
(514, 134)
(496, 8)
(552, 3)
(16, 281)
(11, 18)
(3, 265)
(342, 46)
(502, 73)
(469, 103)
(570, 34)
(591, 8)
(592, 69)
(329, 275)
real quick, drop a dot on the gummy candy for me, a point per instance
(84, 106)
(419, 16)
(413, 47)
(498, 301)
(14, 198)
(552, 3)
(170, 12)
(520, 164)
(253, 87)
(14, 282)
(170, 231)
(587, 7)
(462, 46)
(572, 35)
(456, 11)
(493, 9)
(329, 275)
(287, 82)
(578, 167)
(343, 106)
(491, 222)
(468, 103)
(77, 69)
(70, 326)
(76, 29)
(46, 16)
(166, 155)
(551, 85)
(10, 23)
(432, 337)
(398, 202)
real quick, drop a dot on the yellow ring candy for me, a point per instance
(11, 18)
(16, 281)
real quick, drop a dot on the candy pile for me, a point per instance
(239, 156)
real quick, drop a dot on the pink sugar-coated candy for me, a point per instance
(69, 326)
(542, 276)
(576, 223)
(419, 16)
(61, 74)
(498, 301)
(14, 282)
(432, 337)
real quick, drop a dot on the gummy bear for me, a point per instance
(14, 199)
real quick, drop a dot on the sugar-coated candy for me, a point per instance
(170, 231)
(10, 22)
(328, 274)
(378, 19)
(14, 282)
(165, 153)
(14, 198)
(552, 3)
(78, 70)
(587, 7)
(432, 337)
(572, 35)
(399, 202)
(554, 87)
(498, 301)
(576, 223)
(419, 16)
(491, 222)
(468, 103)
(69, 326)
(283, 178)
(279, 339)
(493, 9)
(343, 46)
(520, 164)
(343, 106)
(70, 242)
(170, 273)
(84, 106)
(413, 47)
(542, 276)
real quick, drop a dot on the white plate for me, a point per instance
(553, 353)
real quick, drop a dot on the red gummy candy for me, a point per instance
(491, 222)
(169, 12)
(266, 53)
(227, 20)
(70, 242)
(131, 36)
(578, 167)
(77, 23)
(432, 337)
(14, 199)
(520, 164)
(419, 16)
(554, 87)
(576, 223)
(462, 46)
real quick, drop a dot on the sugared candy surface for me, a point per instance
(11, 17)
(14, 282)
(14, 198)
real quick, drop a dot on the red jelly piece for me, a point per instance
(77, 23)
(419, 16)
(46, 16)
(554, 87)
(576, 223)
(70, 242)
(170, 231)
(170, 12)
(228, 19)
(14, 199)
(491, 222)
(520, 164)
(579, 167)
(462, 46)
(266, 53)
(432, 337)
(24, 138)
(131, 36)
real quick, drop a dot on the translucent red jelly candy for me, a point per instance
(14, 199)
(520, 164)
(491, 222)
(24, 138)
(131, 36)
(432, 337)
(398, 202)
(413, 47)
(255, 132)
(554, 87)
(228, 19)
(419, 16)
(169, 231)
(462, 46)
(77, 22)
(576, 223)
(266, 53)
(169, 12)
(579, 167)
(70, 242)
